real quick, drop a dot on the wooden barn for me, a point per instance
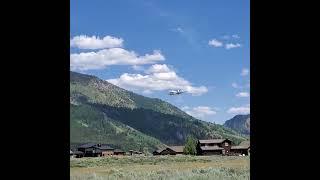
(242, 149)
(77, 154)
(118, 152)
(132, 152)
(96, 150)
(171, 150)
(104, 150)
(177, 149)
(214, 147)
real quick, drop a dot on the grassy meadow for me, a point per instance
(161, 167)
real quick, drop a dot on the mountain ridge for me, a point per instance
(153, 122)
(239, 123)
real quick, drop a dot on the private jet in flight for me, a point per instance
(176, 92)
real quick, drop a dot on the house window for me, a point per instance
(226, 144)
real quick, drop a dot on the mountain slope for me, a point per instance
(88, 124)
(239, 123)
(148, 118)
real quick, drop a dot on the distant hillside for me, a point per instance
(101, 111)
(239, 123)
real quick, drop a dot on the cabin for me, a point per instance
(119, 152)
(177, 149)
(157, 152)
(96, 150)
(214, 147)
(132, 152)
(242, 149)
(170, 150)
(77, 154)
(105, 150)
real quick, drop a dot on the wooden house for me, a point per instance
(177, 149)
(242, 149)
(104, 150)
(78, 154)
(157, 152)
(170, 150)
(132, 152)
(119, 152)
(214, 147)
(96, 150)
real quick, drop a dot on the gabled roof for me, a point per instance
(239, 147)
(210, 148)
(118, 150)
(178, 149)
(208, 141)
(87, 145)
(77, 152)
(104, 147)
(95, 145)
(160, 150)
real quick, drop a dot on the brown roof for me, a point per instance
(160, 150)
(77, 152)
(239, 147)
(177, 148)
(118, 151)
(212, 141)
(210, 148)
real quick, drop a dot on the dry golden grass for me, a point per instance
(170, 167)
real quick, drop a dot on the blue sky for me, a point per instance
(153, 46)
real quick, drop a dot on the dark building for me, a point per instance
(96, 150)
(242, 149)
(78, 154)
(158, 151)
(119, 152)
(177, 149)
(214, 147)
(132, 152)
(171, 150)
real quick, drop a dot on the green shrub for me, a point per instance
(190, 146)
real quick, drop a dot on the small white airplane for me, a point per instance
(176, 92)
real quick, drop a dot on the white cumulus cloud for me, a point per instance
(158, 68)
(113, 56)
(158, 77)
(240, 110)
(243, 94)
(200, 111)
(93, 42)
(231, 45)
(215, 43)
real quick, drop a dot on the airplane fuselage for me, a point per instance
(175, 92)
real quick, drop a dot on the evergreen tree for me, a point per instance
(190, 146)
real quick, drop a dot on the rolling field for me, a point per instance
(161, 167)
